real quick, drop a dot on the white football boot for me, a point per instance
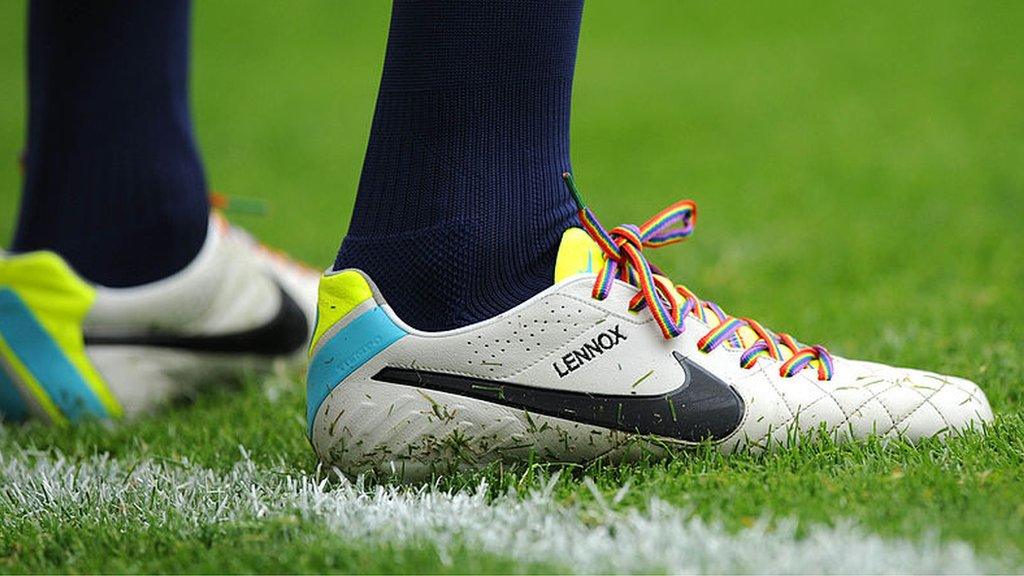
(70, 350)
(612, 360)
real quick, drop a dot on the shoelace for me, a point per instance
(220, 202)
(623, 248)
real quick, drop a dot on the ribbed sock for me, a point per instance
(113, 180)
(461, 205)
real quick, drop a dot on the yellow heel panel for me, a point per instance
(60, 301)
(339, 294)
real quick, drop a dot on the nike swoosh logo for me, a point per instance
(702, 407)
(285, 333)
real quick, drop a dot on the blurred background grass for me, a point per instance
(859, 166)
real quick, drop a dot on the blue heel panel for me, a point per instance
(347, 350)
(12, 406)
(45, 361)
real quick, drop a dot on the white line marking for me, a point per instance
(533, 527)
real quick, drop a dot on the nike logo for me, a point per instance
(702, 407)
(285, 333)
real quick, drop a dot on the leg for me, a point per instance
(461, 204)
(115, 188)
(459, 216)
(113, 179)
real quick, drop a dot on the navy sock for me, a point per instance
(461, 204)
(113, 180)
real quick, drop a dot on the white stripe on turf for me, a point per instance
(39, 488)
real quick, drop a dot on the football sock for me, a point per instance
(113, 180)
(461, 203)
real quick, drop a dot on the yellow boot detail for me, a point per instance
(339, 294)
(43, 304)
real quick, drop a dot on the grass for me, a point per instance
(858, 171)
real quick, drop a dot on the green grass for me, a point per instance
(276, 546)
(858, 168)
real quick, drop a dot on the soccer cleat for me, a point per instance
(613, 360)
(70, 350)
